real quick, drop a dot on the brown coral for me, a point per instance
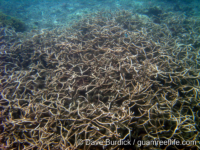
(99, 82)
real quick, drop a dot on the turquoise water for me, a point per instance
(50, 14)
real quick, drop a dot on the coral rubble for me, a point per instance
(101, 79)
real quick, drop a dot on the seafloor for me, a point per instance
(99, 71)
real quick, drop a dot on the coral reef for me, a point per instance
(10, 21)
(101, 79)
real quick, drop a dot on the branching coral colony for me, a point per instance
(105, 78)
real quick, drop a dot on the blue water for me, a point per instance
(57, 13)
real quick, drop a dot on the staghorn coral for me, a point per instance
(99, 80)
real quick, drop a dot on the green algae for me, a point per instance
(9, 21)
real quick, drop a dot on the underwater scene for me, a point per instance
(99, 75)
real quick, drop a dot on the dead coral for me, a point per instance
(99, 82)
